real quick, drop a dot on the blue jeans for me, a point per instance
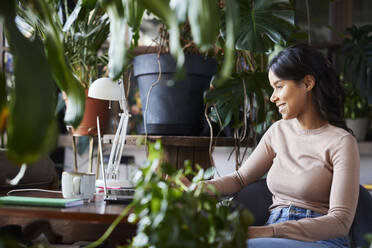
(294, 213)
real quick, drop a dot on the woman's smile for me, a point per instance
(281, 107)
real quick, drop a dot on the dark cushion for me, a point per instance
(363, 218)
(257, 198)
(39, 174)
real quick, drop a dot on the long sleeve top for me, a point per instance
(315, 169)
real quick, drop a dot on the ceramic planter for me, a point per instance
(93, 107)
(177, 109)
(359, 127)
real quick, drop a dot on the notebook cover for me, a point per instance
(40, 201)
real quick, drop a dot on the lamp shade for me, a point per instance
(105, 89)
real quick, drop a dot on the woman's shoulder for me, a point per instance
(329, 132)
(341, 137)
(340, 132)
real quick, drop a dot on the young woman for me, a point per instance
(311, 158)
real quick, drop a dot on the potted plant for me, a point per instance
(83, 29)
(172, 98)
(357, 49)
(230, 30)
(357, 111)
(225, 30)
(172, 108)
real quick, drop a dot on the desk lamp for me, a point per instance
(106, 89)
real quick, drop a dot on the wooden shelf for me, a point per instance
(365, 148)
(185, 141)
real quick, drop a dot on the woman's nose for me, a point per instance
(273, 97)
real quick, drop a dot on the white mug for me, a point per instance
(78, 185)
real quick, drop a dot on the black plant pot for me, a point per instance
(177, 109)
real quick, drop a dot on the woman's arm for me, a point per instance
(257, 164)
(260, 232)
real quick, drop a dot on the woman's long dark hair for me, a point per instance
(297, 61)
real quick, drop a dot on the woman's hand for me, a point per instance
(260, 231)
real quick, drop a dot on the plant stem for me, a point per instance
(148, 97)
(211, 147)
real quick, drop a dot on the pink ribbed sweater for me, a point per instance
(315, 169)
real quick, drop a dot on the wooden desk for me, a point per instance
(86, 222)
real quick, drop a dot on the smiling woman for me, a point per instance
(310, 157)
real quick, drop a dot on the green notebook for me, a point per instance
(40, 201)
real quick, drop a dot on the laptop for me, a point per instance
(121, 195)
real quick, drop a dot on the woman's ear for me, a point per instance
(309, 82)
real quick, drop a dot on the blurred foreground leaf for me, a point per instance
(31, 125)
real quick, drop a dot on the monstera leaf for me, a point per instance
(229, 98)
(357, 47)
(263, 23)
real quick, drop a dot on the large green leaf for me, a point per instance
(229, 24)
(31, 125)
(204, 19)
(118, 40)
(357, 47)
(61, 70)
(121, 14)
(262, 23)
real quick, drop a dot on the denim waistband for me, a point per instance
(302, 211)
(291, 213)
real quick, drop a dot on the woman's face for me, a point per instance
(290, 98)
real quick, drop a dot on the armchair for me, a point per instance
(263, 199)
